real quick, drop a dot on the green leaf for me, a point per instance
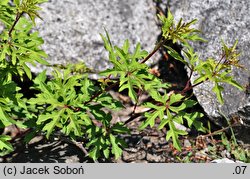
(120, 128)
(175, 54)
(95, 153)
(174, 98)
(41, 77)
(5, 118)
(106, 153)
(235, 84)
(192, 120)
(156, 96)
(4, 144)
(131, 92)
(108, 101)
(189, 103)
(49, 127)
(121, 54)
(167, 23)
(218, 90)
(74, 124)
(4, 2)
(151, 117)
(138, 54)
(116, 150)
(174, 133)
(176, 109)
(27, 71)
(17, 2)
(165, 120)
(125, 47)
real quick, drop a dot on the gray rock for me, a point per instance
(71, 28)
(155, 158)
(129, 157)
(227, 20)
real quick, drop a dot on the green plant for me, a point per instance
(19, 46)
(75, 105)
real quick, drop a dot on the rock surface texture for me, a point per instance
(71, 28)
(228, 20)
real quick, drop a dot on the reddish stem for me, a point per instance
(154, 51)
(18, 16)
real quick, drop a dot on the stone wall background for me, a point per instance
(228, 20)
(71, 28)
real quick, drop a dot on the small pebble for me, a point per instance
(155, 158)
(187, 143)
(225, 160)
(129, 157)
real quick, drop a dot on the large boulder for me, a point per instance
(71, 28)
(227, 20)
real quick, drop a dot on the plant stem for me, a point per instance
(18, 16)
(218, 131)
(229, 125)
(222, 57)
(100, 92)
(154, 51)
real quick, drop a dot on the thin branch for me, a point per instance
(77, 144)
(218, 131)
(18, 16)
(154, 51)
(101, 92)
(222, 57)
(136, 104)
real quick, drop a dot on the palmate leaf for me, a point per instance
(192, 57)
(174, 106)
(51, 120)
(127, 67)
(181, 31)
(109, 47)
(151, 117)
(101, 141)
